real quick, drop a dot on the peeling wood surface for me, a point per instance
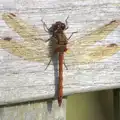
(92, 62)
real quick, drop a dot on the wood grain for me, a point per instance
(34, 111)
(22, 79)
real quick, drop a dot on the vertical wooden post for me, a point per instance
(116, 99)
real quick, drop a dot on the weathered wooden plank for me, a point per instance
(92, 66)
(34, 111)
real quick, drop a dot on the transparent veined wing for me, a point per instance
(81, 52)
(33, 48)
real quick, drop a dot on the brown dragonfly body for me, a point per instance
(61, 41)
(57, 32)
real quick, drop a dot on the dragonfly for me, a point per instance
(61, 41)
(79, 50)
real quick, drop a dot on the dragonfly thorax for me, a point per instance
(61, 48)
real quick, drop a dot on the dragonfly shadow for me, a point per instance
(54, 60)
(56, 75)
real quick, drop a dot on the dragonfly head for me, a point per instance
(58, 27)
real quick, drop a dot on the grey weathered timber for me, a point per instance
(91, 65)
(34, 111)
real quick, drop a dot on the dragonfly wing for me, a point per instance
(80, 51)
(23, 52)
(33, 48)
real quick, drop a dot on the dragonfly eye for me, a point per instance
(52, 28)
(57, 26)
(63, 26)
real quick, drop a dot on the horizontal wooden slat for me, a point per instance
(34, 111)
(92, 63)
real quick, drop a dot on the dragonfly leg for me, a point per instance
(45, 26)
(65, 65)
(48, 64)
(71, 35)
(66, 23)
